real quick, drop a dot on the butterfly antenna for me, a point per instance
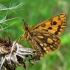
(23, 21)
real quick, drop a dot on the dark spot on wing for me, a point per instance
(54, 23)
(50, 28)
(43, 25)
(58, 30)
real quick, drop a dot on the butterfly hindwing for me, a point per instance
(45, 42)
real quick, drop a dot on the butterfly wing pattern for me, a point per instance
(44, 36)
(54, 25)
(45, 42)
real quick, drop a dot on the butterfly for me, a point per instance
(44, 36)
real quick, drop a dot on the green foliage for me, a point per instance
(35, 11)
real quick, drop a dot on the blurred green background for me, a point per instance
(35, 11)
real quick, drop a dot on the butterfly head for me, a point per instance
(25, 26)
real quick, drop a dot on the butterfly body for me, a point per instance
(44, 36)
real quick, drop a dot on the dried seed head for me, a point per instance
(17, 55)
(5, 45)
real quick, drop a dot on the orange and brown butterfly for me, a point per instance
(44, 36)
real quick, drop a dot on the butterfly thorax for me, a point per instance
(27, 33)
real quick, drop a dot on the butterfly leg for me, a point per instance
(21, 62)
(34, 58)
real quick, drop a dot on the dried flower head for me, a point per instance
(12, 54)
(5, 45)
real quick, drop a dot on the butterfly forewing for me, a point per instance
(54, 25)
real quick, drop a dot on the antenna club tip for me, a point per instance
(23, 19)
